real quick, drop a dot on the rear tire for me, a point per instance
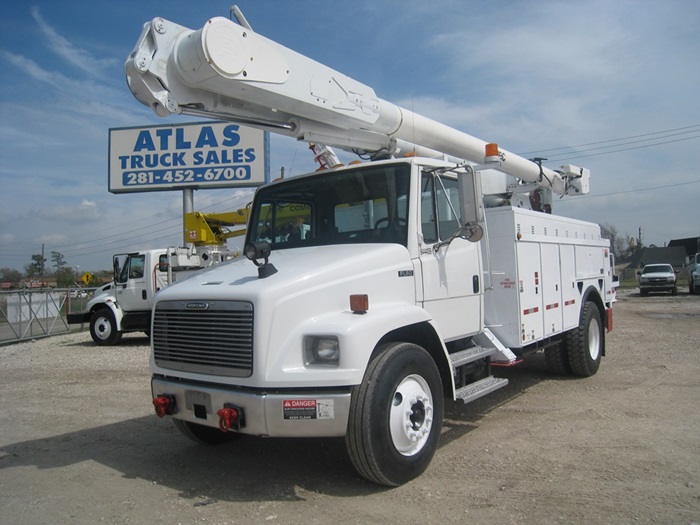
(557, 361)
(103, 328)
(396, 415)
(584, 345)
(204, 435)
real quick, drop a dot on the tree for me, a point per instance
(10, 275)
(58, 261)
(622, 246)
(618, 244)
(36, 268)
(65, 278)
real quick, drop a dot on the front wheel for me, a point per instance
(103, 328)
(396, 415)
(584, 345)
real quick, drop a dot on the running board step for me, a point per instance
(470, 354)
(480, 388)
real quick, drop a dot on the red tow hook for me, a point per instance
(228, 418)
(164, 405)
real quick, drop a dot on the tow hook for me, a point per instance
(164, 404)
(230, 418)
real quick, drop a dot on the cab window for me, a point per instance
(440, 210)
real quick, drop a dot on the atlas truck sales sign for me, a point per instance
(195, 155)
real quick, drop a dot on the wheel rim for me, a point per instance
(411, 416)
(594, 340)
(103, 328)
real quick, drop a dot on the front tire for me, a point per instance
(584, 345)
(103, 328)
(396, 415)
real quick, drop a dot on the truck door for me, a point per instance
(130, 282)
(452, 287)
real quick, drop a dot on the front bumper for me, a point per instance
(288, 413)
(82, 317)
(657, 286)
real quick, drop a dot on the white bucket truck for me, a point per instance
(392, 288)
(125, 304)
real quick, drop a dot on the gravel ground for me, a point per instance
(79, 444)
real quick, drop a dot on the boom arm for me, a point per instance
(227, 71)
(214, 228)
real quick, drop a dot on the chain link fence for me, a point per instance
(29, 314)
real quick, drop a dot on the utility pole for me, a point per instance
(639, 238)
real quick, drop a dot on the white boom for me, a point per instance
(225, 70)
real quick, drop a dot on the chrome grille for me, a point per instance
(207, 337)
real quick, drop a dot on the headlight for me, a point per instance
(323, 350)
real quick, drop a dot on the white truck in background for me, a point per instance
(125, 304)
(392, 289)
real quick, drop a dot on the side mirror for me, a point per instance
(471, 206)
(260, 250)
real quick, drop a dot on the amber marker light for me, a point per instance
(491, 153)
(359, 303)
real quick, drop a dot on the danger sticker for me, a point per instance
(308, 409)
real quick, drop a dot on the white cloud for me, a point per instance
(53, 239)
(82, 213)
(62, 47)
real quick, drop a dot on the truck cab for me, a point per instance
(125, 304)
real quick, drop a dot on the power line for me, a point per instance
(621, 149)
(635, 190)
(617, 140)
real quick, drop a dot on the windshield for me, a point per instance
(657, 268)
(364, 205)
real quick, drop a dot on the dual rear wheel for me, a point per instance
(582, 348)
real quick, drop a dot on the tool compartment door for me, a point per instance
(551, 288)
(570, 294)
(530, 286)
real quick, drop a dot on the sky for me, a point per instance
(613, 86)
